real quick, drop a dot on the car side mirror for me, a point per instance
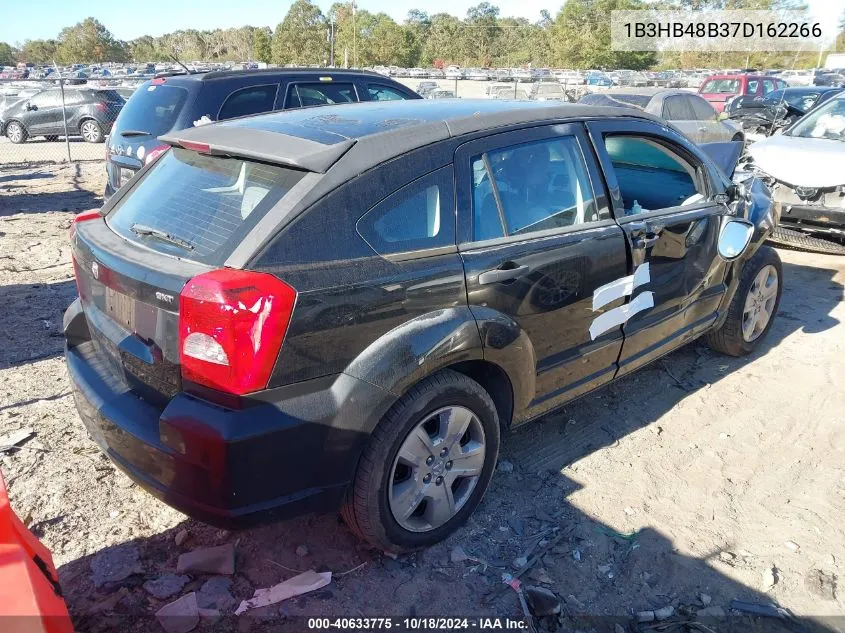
(734, 238)
(31, 106)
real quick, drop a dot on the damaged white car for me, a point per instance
(805, 170)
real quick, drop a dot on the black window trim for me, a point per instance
(419, 253)
(499, 140)
(234, 92)
(665, 136)
(292, 85)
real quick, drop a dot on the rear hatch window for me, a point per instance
(151, 111)
(198, 206)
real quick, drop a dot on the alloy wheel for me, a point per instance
(760, 303)
(14, 132)
(90, 131)
(437, 468)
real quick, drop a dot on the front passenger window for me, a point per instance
(531, 187)
(650, 175)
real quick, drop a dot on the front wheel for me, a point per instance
(91, 131)
(754, 306)
(427, 465)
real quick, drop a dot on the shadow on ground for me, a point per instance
(32, 321)
(521, 509)
(25, 191)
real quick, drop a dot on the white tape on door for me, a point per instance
(621, 287)
(619, 316)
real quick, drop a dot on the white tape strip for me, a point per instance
(621, 287)
(619, 316)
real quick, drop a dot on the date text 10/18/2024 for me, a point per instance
(400, 624)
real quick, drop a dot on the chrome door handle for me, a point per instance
(646, 240)
(498, 275)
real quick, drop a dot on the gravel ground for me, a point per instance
(700, 480)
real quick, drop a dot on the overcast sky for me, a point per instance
(128, 20)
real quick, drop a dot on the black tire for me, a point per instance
(95, 135)
(796, 240)
(52, 138)
(16, 132)
(728, 339)
(366, 509)
(738, 138)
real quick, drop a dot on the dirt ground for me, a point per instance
(700, 480)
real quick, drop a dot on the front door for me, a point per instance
(47, 107)
(664, 199)
(538, 240)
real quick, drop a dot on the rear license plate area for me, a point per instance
(121, 308)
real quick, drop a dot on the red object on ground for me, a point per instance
(30, 597)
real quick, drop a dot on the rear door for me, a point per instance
(537, 240)
(663, 198)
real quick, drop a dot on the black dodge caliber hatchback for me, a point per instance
(345, 307)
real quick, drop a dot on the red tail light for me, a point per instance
(155, 153)
(231, 327)
(101, 107)
(82, 217)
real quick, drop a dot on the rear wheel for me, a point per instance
(91, 131)
(787, 238)
(16, 132)
(427, 465)
(754, 306)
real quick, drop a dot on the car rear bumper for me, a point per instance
(289, 451)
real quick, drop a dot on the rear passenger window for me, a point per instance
(751, 88)
(650, 175)
(385, 93)
(247, 101)
(418, 216)
(531, 187)
(318, 94)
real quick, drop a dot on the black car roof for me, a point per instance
(372, 132)
(263, 72)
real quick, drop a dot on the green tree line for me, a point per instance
(577, 36)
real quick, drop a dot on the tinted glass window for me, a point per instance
(210, 202)
(250, 100)
(677, 109)
(385, 93)
(702, 110)
(531, 187)
(768, 86)
(720, 86)
(650, 176)
(419, 215)
(318, 94)
(152, 109)
(751, 87)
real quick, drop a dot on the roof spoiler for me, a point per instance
(261, 145)
(725, 155)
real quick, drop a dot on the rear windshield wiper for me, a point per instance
(143, 229)
(128, 133)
